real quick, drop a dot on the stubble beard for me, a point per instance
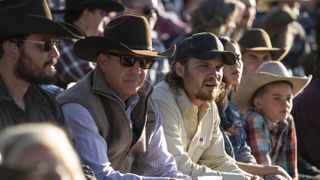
(23, 72)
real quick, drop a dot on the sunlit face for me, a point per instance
(35, 65)
(252, 60)
(276, 102)
(125, 81)
(201, 78)
(43, 165)
(232, 74)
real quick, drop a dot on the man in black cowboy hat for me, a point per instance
(88, 16)
(28, 53)
(115, 124)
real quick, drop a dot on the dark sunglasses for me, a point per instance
(129, 61)
(47, 45)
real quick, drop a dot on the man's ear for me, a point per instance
(102, 60)
(10, 49)
(179, 68)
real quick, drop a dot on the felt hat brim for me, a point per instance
(90, 47)
(14, 25)
(227, 56)
(277, 54)
(106, 5)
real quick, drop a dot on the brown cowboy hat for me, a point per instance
(76, 5)
(127, 34)
(19, 17)
(257, 39)
(267, 73)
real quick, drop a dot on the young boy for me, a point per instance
(266, 98)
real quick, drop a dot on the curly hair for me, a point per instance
(172, 78)
(210, 15)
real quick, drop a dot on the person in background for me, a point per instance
(209, 17)
(267, 105)
(41, 151)
(190, 116)
(286, 32)
(28, 53)
(256, 49)
(233, 124)
(88, 16)
(114, 122)
(305, 115)
(148, 9)
(246, 20)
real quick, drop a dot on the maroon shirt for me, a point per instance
(306, 113)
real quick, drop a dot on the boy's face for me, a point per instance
(276, 101)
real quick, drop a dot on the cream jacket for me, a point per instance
(193, 135)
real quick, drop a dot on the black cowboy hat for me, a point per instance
(19, 17)
(127, 34)
(76, 5)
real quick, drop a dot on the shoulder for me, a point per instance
(254, 118)
(163, 92)
(51, 89)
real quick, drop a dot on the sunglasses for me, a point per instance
(129, 61)
(47, 45)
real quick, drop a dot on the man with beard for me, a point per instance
(190, 116)
(28, 53)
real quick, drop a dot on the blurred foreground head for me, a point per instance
(43, 151)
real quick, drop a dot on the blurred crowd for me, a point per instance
(217, 88)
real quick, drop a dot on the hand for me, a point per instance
(252, 177)
(317, 177)
(283, 173)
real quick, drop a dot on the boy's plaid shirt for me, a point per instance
(273, 143)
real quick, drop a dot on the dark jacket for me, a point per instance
(40, 106)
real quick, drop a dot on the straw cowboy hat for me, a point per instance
(127, 34)
(19, 17)
(267, 73)
(77, 5)
(257, 39)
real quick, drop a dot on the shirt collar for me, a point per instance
(186, 104)
(274, 126)
(100, 86)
